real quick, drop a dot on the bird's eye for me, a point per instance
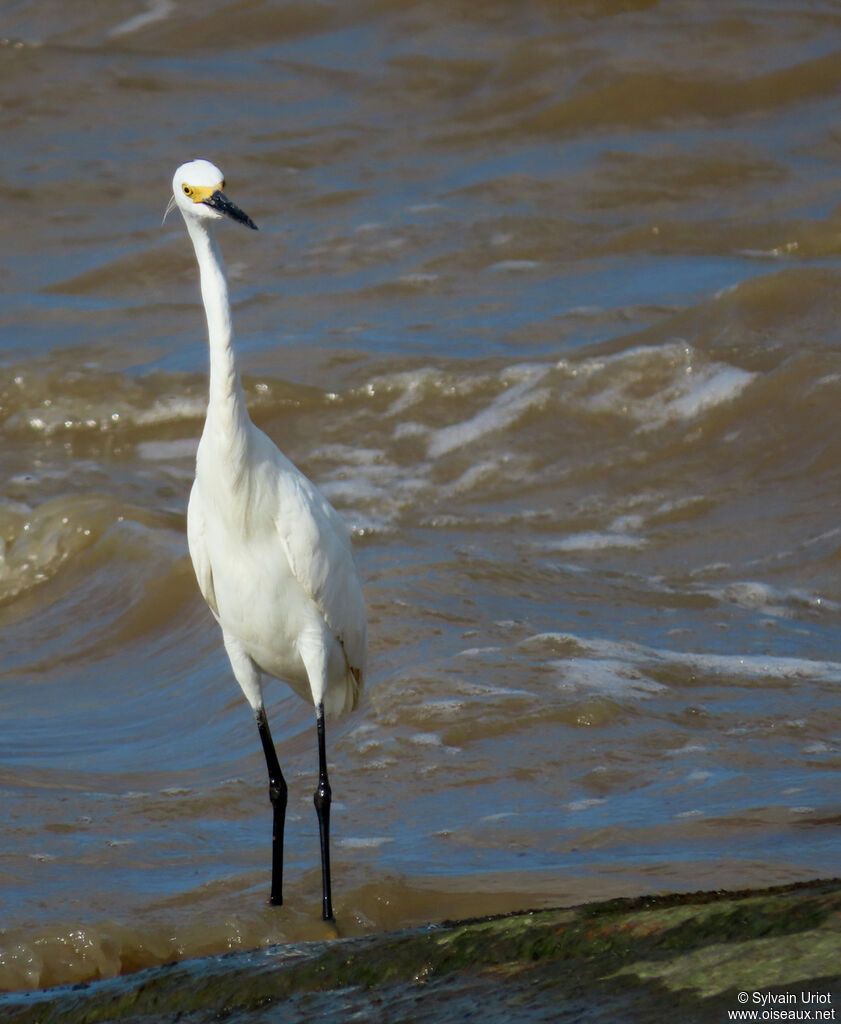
(187, 190)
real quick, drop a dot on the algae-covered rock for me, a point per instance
(700, 955)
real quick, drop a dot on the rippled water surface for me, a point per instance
(546, 299)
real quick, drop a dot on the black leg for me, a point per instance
(277, 795)
(322, 807)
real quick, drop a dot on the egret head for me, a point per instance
(197, 192)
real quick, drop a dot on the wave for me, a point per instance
(631, 436)
(452, 431)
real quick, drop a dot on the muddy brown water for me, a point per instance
(546, 299)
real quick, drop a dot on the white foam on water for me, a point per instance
(776, 602)
(371, 490)
(355, 491)
(472, 652)
(755, 666)
(504, 410)
(410, 429)
(411, 386)
(156, 10)
(656, 385)
(612, 667)
(349, 454)
(617, 535)
(364, 842)
(594, 541)
(604, 675)
(687, 748)
(164, 410)
(585, 804)
(652, 386)
(712, 386)
(427, 739)
(478, 473)
(166, 451)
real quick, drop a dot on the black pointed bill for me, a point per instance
(219, 201)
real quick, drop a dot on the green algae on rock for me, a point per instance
(603, 961)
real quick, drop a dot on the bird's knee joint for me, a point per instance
(322, 797)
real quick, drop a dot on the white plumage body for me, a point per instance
(274, 563)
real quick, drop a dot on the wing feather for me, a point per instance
(317, 545)
(198, 550)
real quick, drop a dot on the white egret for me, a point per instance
(272, 557)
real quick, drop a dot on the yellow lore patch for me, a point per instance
(201, 193)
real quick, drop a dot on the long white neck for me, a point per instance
(226, 407)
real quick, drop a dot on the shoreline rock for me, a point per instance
(640, 959)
